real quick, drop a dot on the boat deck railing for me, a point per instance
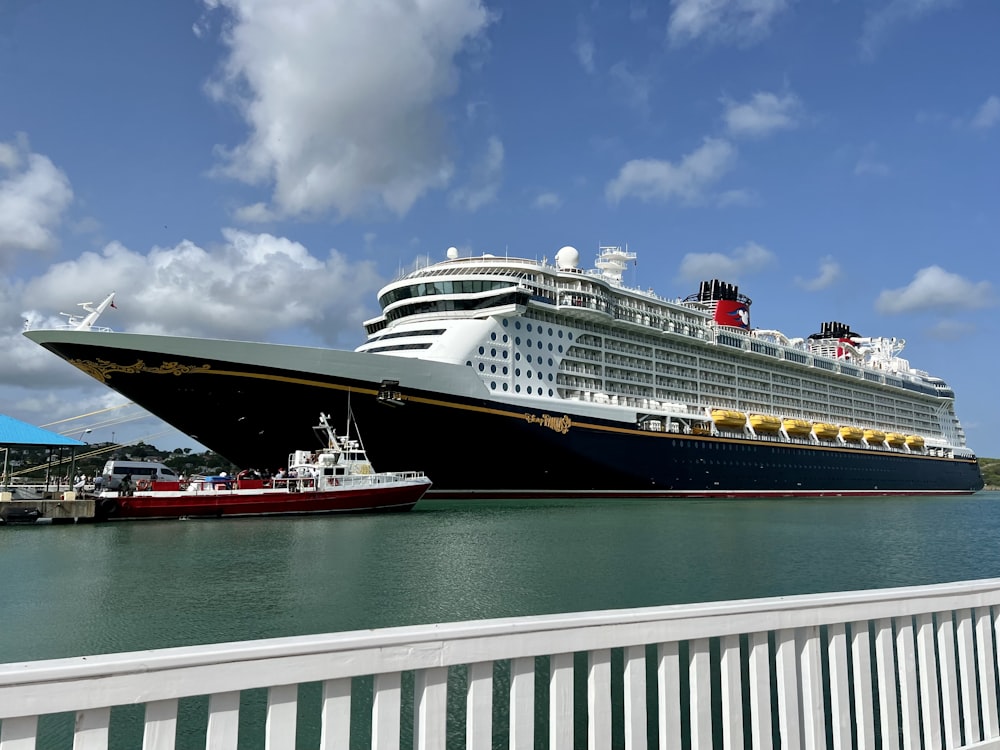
(893, 668)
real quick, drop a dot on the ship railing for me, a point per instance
(893, 668)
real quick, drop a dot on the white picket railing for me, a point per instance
(903, 668)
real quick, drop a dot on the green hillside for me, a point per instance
(991, 471)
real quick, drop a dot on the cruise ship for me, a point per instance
(513, 378)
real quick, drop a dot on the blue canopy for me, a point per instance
(16, 432)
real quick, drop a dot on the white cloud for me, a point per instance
(583, 47)
(655, 179)
(250, 286)
(763, 114)
(869, 164)
(879, 21)
(736, 197)
(547, 200)
(988, 114)
(635, 87)
(749, 258)
(740, 21)
(830, 272)
(933, 288)
(34, 193)
(485, 183)
(342, 98)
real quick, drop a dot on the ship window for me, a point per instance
(529, 327)
(468, 363)
(569, 336)
(493, 352)
(504, 354)
(550, 361)
(493, 336)
(541, 375)
(505, 338)
(505, 322)
(482, 350)
(493, 368)
(517, 372)
(517, 340)
(560, 349)
(529, 373)
(481, 367)
(517, 356)
(517, 389)
(539, 344)
(529, 390)
(560, 334)
(550, 332)
(550, 392)
(517, 324)
(550, 346)
(493, 385)
(505, 386)
(528, 342)
(505, 369)
(550, 377)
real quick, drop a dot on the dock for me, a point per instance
(60, 507)
(911, 667)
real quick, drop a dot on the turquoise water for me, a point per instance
(86, 589)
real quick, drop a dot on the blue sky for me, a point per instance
(257, 169)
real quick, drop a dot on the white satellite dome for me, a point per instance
(567, 257)
(452, 253)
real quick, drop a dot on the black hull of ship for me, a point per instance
(480, 448)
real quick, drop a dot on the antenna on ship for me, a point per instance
(87, 323)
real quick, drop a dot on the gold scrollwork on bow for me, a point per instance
(559, 424)
(102, 369)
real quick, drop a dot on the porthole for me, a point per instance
(493, 335)
(527, 342)
(529, 374)
(550, 392)
(481, 367)
(550, 377)
(493, 352)
(468, 363)
(541, 375)
(550, 346)
(493, 368)
(505, 369)
(559, 334)
(539, 344)
(505, 322)
(517, 389)
(493, 385)
(570, 335)
(482, 350)
(550, 332)
(504, 353)
(517, 324)
(505, 386)
(506, 338)
(550, 361)
(529, 327)
(529, 390)
(560, 349)
(517, 372)
(517, 340)
(517, 356)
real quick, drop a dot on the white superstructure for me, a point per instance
(535, 331)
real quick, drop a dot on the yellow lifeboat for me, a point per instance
(874, 437)
(765, 423)
(895, 439)
(797, 427)
(824, 430)
(851, 434)
(728, 419)
(915, 442)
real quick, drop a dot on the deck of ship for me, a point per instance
(892, 668)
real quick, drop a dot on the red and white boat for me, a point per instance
(336, 479)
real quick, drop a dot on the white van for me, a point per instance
(150, 471)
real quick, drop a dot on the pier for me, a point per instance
(912, 667)
(51, 507)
